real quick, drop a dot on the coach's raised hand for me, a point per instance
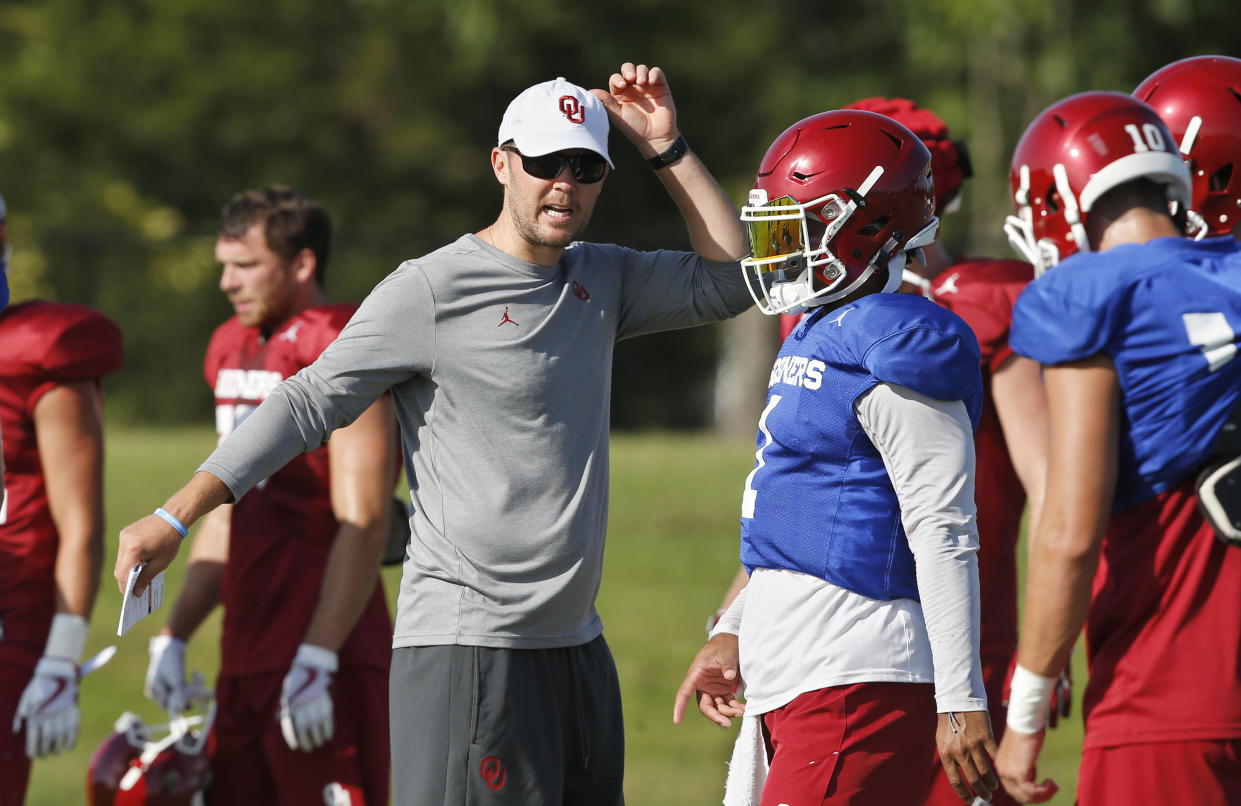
(155, 539)
(640, 106)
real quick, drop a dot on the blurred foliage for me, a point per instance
(124, 127)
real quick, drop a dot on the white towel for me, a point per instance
(747, 771)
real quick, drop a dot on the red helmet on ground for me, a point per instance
(131, 769)
(950, 161)
(838, 196)
(1074, 152)
(1200, 100)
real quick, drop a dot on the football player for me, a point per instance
(1136, 329)
(1199, 98)
(53, 357)
(302, 694)
(1011, 440)
(853, 634)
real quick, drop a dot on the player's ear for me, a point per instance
(304, 265)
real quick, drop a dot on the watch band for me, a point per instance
(674, 152)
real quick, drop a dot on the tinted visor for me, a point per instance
(775, 231)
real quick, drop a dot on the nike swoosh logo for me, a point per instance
(314, 675)
(61, 685)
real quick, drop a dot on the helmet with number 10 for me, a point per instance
(1074, 152)
(839, 196)
(1200, 100)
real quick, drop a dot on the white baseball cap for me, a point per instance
(555, 116)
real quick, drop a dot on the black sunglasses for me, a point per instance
(585, 168)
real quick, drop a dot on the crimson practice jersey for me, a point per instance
(42, 345)
(1164, 629)
(983, 292)
(282, 530)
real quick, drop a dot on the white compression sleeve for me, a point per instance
(927, 446)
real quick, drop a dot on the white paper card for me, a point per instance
(136, 608)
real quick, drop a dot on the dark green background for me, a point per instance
(125, 125)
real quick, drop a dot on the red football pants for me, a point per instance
(252, 764)
(16, 669)
(1204, 773)
(868, 743)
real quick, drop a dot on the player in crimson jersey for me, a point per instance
(302, 694)
(1137, 334)
(53, 358)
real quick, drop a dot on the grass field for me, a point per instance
(672, 550)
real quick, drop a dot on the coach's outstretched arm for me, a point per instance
(639, 104)
(154, 541)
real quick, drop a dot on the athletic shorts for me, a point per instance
(1202, 773)
(252, 764)
(868, 743)
(16, 668)
(519, 727)
(941, 793)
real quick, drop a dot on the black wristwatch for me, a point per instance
(675, 151)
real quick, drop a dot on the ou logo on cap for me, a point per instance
(572, 109)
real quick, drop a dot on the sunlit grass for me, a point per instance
(672, 550)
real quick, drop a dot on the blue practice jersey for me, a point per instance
(4, 284)
(819, 499)
(1166, 313)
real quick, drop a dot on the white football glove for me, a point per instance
(305, 702)
(165, 680)
(49, 706)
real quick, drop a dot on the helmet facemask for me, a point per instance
(1044, 252)
(792, 267)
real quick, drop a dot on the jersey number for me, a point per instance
(1212, 334)
(750, 496)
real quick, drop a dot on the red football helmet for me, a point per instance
(838, 196)
(132, 769)
(1200, 100)
(1074, 152)
(950, 160)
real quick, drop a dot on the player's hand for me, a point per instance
(714, 677)
(1061, 705)
(165, 680)
(49, 707)
(639, 104)
(966, 747)
(1017, 765)
(305, 699)
(150, 540)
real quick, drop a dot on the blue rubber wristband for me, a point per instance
(172, 521)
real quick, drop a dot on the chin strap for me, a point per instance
(913, 278)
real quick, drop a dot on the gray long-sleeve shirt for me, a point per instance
(501, 374)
